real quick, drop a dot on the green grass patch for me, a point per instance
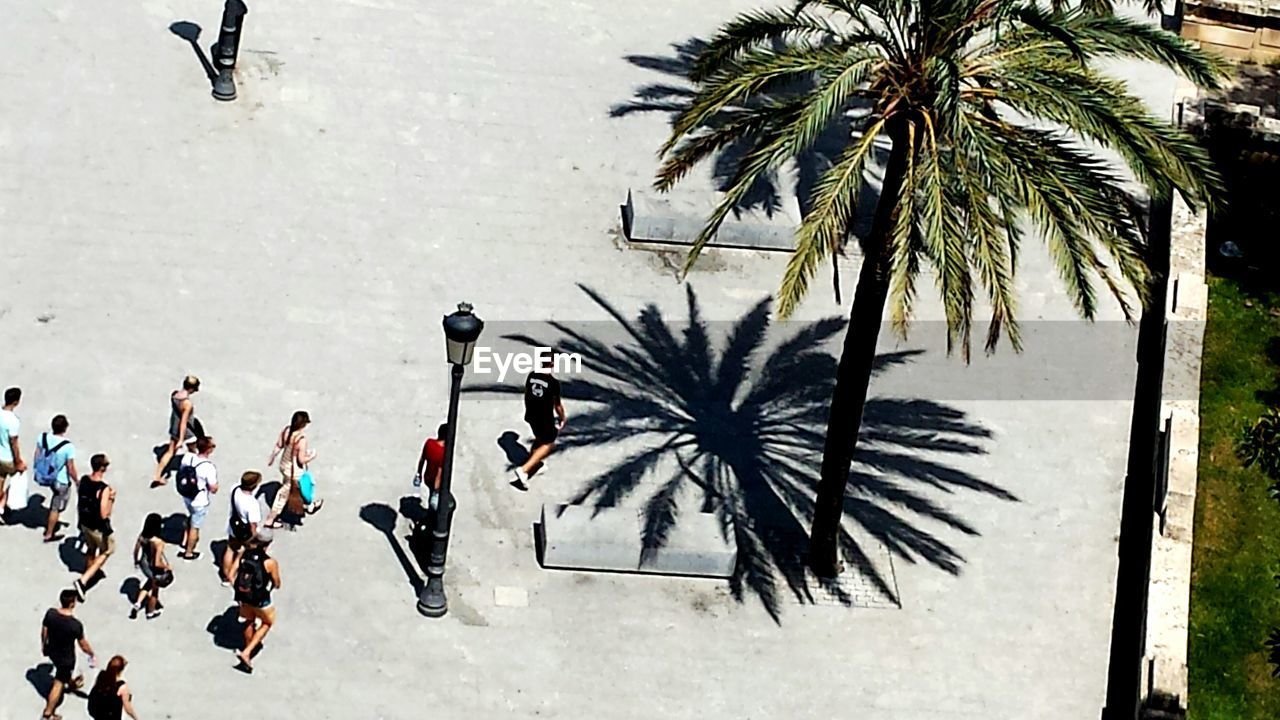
(1234, 600)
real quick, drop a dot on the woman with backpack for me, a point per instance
(110, 696)
(295, 475)
(257, 575)
(148, 554)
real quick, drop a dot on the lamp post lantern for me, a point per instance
(461, 330)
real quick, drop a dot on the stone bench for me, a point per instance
(573, 539)
(655, 220)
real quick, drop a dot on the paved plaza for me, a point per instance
(297, 248)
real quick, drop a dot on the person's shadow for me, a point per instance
(31, 517)
(71, 556)
(41, 678)
(511, 446)
(131, 588)
(172, 466)
(226, 629)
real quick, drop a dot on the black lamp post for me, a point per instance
(461, 330)
(227, 49)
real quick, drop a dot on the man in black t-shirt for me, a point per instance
(59, 634)
(544, 412)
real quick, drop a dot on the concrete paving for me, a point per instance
(297, 249)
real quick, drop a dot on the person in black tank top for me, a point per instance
(255, 575)
(110, 697)
(95, 501)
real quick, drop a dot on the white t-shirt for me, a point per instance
(9, 424)
(246, 506)
(206, 475)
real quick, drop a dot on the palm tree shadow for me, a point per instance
(740, 430)
(674, 96)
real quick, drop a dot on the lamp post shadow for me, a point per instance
(190, 32)
(383, 519)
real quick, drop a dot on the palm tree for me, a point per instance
(984, 105)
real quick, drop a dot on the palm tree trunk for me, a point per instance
(853, 375)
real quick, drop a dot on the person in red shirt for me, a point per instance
(431, 463)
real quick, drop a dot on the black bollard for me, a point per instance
(227, 50)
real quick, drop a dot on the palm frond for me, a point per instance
(752, 29)
(832, 211)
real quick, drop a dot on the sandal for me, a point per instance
(274, 524)
(315, 507)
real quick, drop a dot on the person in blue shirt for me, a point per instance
(63, 461)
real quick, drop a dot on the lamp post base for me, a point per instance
(432, 601)
(224, 86)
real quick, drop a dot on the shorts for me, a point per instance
(98, 543)
(545, 432)
(64, 671)
(197, 513)
(7, 470)
(60, 498)
(249, 603)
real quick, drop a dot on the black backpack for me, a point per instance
(252, 577)
(240, 528)
(188, 482)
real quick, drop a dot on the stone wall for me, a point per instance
(1235, 29)
(1164, 667)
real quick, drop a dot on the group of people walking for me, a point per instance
(246, 566)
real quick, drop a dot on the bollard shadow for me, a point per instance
(382, 518)
(737, 430)
(190, 32)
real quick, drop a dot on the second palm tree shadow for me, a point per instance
(740, 432)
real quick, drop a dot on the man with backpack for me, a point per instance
(243, 524)
(256, 575)
(94, 504)
(197, 481)
(55, 468)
